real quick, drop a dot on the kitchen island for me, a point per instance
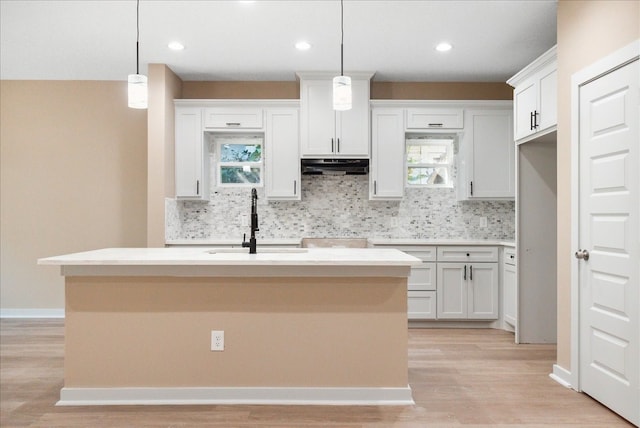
(301, 326)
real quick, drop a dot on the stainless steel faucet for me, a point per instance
(252, 244)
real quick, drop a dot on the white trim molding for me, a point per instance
(601, 67)
(32, 313)
(221, 395)
(562, 376)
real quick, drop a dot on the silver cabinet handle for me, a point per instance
(233, 123)
(582, 254)
(295, 187)
(332, 150)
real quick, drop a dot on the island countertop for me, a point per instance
(202, 261)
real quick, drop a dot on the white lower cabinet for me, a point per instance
(453, 282)
(421, 305)
(468, 283)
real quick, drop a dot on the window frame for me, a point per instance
(219, 164)
(431, 140)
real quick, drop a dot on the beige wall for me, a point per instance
(164, 87)
(73, 178)
(379, 90)
(587, 31)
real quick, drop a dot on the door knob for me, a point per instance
(582, 254)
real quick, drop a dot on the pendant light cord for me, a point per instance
(341, 37)
(138, 37)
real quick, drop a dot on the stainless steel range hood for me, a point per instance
(335, 166)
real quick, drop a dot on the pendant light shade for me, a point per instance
(342, 93)
(138, 92)
(137, 83)
(342, 84)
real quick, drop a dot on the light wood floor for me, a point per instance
(460, 378)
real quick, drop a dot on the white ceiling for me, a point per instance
(234, 40)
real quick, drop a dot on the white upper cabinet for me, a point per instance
(199, 121)
(434, 118)
(386, 177)
(325, 132)
(535, 98)
(191, 155)
(233, 118)
(487, 155)
(281, 154)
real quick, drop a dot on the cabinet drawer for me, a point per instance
(423, 277)
(467, 254)
(233, 118)
(420, 118)
(421, 305)
(510, 256)
(426, 254)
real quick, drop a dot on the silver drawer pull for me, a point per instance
(436, 125)
(233, 123)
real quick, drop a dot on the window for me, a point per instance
(429, 161)
(240, 162)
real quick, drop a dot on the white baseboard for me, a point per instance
(260, 395)
(562, 376)
(32, 313)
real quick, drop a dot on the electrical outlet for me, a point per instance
(244, 221)
(483, 222)
(394, 222)
(217, 340)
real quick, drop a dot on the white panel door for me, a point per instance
(609, 208)
(452, 290)
(386, 180)
(282, 155)
(482, 303)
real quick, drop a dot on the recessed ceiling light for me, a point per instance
(444, 47)
(303, 46)
(176, 46)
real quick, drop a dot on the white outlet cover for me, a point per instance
(217, 340)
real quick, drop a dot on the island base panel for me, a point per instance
(155, 332)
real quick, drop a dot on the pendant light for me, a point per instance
(137, 83)
(342, 84)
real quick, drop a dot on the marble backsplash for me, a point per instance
(339, 206)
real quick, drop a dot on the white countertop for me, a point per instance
(204, 256)
(294, 242)
(200, 261)
(387, 241)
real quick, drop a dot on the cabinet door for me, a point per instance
(452, 291)
(386, 178)
(524, 105)
(191, 156)
(282, 159)
(548, 99)
(509, 293)
(233, 118)
(483, 291)
(317, 121)
(491, 158)
(433, 118)
(352, 126)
